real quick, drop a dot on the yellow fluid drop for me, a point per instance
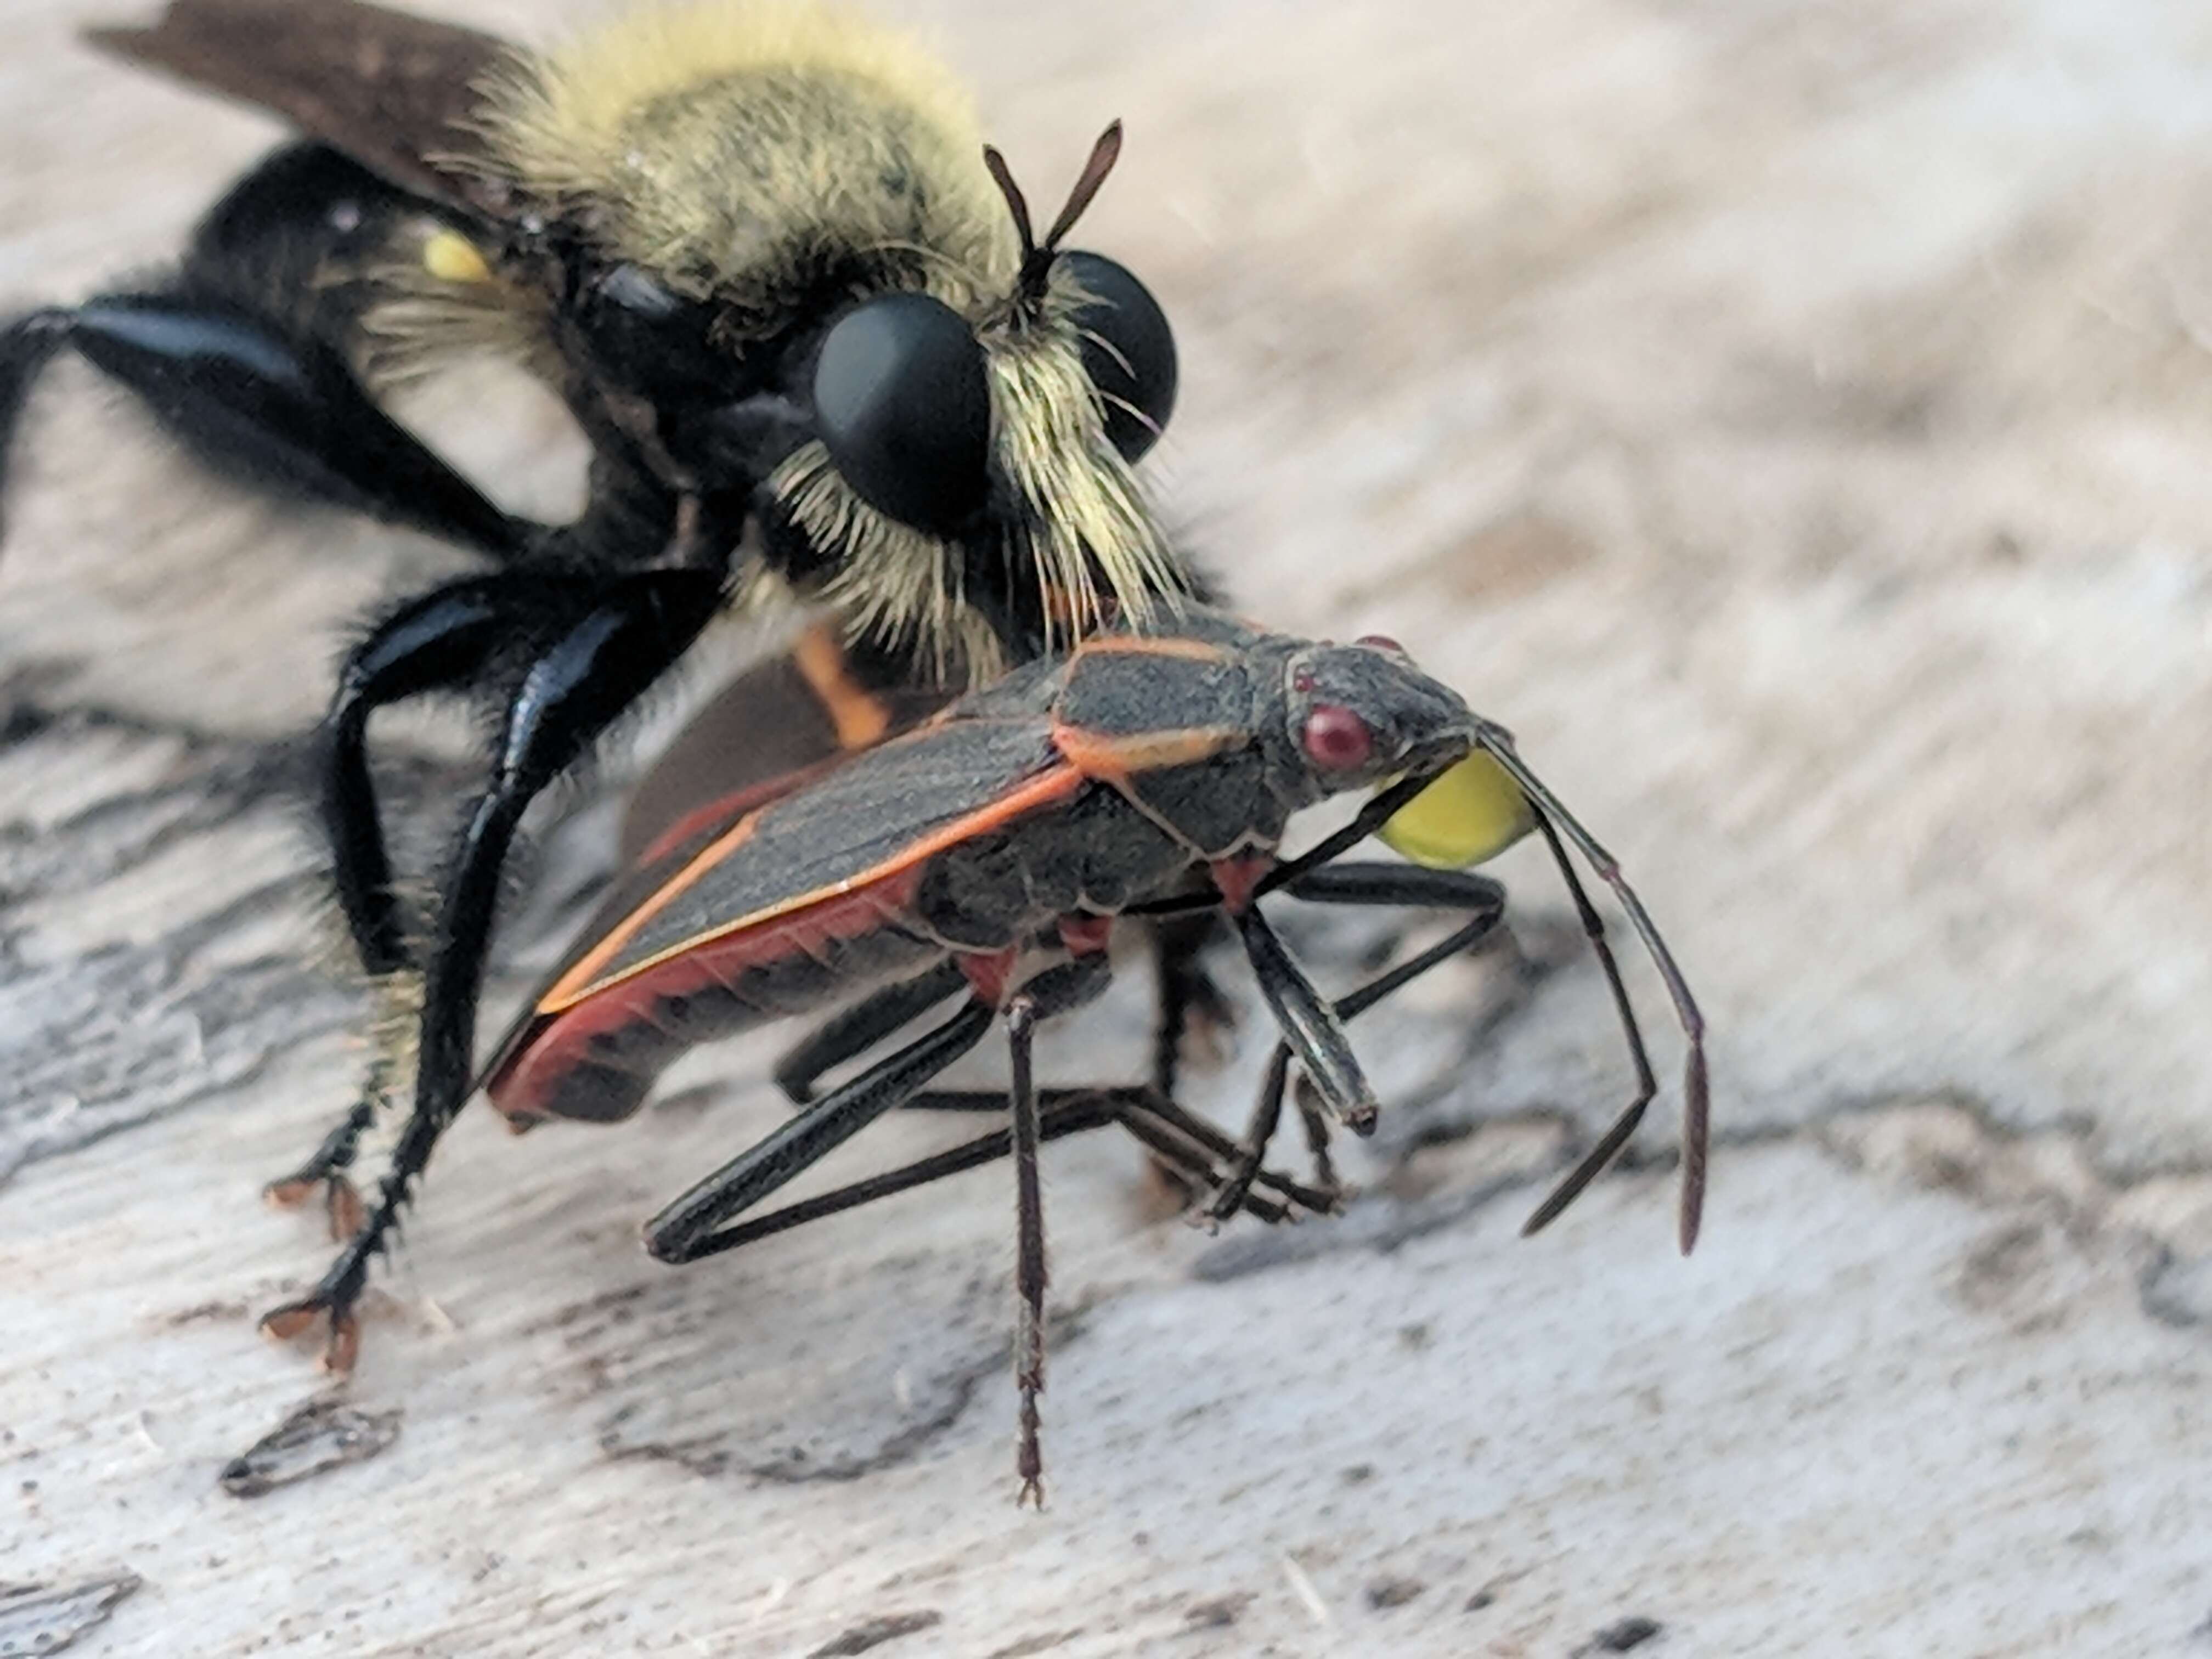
(1473, 813)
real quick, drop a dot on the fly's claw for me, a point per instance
(333, 1299)
(342, 1200)
(293, 1318)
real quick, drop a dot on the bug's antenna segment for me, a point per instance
(1696, 1080)
(1592, 1163)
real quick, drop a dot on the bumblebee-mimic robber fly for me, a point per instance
(797, 308)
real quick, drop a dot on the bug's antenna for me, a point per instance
(1036, 257)
(1696, 1083)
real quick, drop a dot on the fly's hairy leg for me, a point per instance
(641, 624)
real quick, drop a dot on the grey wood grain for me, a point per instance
(1790, 420)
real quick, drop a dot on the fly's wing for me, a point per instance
(396, 93)
(773, 728)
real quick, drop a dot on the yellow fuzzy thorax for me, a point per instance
(737, 148)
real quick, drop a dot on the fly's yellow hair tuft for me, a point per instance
(1092, 535)
(740, 149)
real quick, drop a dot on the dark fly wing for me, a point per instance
(770, 725)
(395, 93)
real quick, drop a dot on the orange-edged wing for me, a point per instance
(829, 862)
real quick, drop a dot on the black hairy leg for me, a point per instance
(639, 625)
(465, 635)
(248, 353)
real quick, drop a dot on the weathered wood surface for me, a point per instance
(1793, 420)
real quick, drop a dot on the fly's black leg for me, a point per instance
(863, 1025)
(691, 1229)
(449, 638)
(640, 626)
(329, 1168)
(285, 415)
(1392, 885)
(247, 355)
(27, 343)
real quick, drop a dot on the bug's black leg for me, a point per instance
(640, 625)
(1392, 885)
(689, 1228)
(1030, 1272)
(1315, 1119)
(1310, 1023)
(1196, 1153)
(1065, 1112)
(1196, 1148)
(863, 1025)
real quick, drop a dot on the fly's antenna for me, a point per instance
(1036, 257)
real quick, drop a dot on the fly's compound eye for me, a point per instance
(1336, 739)
(1381, 642)
(652, 340)
(1128, 351)
(902, 404)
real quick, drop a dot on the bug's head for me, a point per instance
(1360, 714)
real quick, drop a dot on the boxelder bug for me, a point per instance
(984, 856)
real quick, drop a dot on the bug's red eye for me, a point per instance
(1336, 738)
(1381, 642)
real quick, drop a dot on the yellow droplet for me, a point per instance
(1471, 813)
(452, 258)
